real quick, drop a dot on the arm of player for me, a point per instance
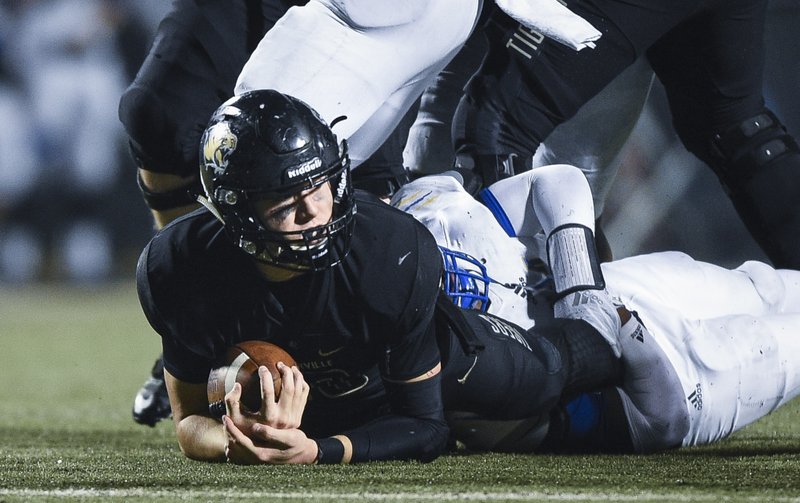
(416, 430)
(200, 437)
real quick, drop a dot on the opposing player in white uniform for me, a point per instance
(708, 350)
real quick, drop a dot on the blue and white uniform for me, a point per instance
(718, 348)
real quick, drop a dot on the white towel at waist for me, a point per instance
(553, 20)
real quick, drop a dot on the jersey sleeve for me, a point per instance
(411, 348)
(161, 298)
(415, 429)
(405, 297)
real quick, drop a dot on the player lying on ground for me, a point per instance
(709, 350)
(197, 56)
(287, 252)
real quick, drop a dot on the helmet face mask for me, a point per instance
(465, 280)
(312, 248)
(266, 146)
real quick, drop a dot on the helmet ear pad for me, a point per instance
(266, 145)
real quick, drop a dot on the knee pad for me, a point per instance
(755, 144)
(758, 163)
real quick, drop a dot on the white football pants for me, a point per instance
(367, 60)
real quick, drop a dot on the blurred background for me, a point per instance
(69, 205)
(70, 210)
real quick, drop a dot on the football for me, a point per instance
(240, 364)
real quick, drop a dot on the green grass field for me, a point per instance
(72, 359)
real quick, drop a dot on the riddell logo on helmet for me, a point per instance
(304, 168)
(342, 187)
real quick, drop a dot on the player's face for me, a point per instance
(304, 210)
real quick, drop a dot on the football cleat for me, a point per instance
(151, 403)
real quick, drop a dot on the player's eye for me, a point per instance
(273, 213)
(280, 214)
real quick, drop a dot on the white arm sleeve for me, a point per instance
(544, 198)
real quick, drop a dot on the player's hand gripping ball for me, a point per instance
(240, 364)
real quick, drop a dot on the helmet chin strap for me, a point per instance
(210, 207)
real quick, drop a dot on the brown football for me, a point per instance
(240, 364)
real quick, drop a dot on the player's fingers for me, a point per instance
(232, 432)
(239, 448)
(306, 389)
(287, 382)
(300, 396)
(284, 416)
(232, 401)
(273, 437)
(242, 419)
(268, 406)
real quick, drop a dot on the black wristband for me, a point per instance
(330, 451)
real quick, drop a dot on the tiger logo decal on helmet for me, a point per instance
(219, 143)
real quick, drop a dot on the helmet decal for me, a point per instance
(219, 142)
(342, 188)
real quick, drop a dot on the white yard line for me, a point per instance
(194, 494)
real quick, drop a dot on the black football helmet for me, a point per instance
(264, 145)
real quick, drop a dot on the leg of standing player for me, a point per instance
(354, 60)
(429, 149)
(712, 69)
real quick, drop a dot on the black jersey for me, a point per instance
(347, 327)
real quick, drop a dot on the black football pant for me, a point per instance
(708, 55)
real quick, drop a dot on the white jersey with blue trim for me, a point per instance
(459, 222)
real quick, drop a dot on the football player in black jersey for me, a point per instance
(709, 54)
(192, 67)
(288, 252)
